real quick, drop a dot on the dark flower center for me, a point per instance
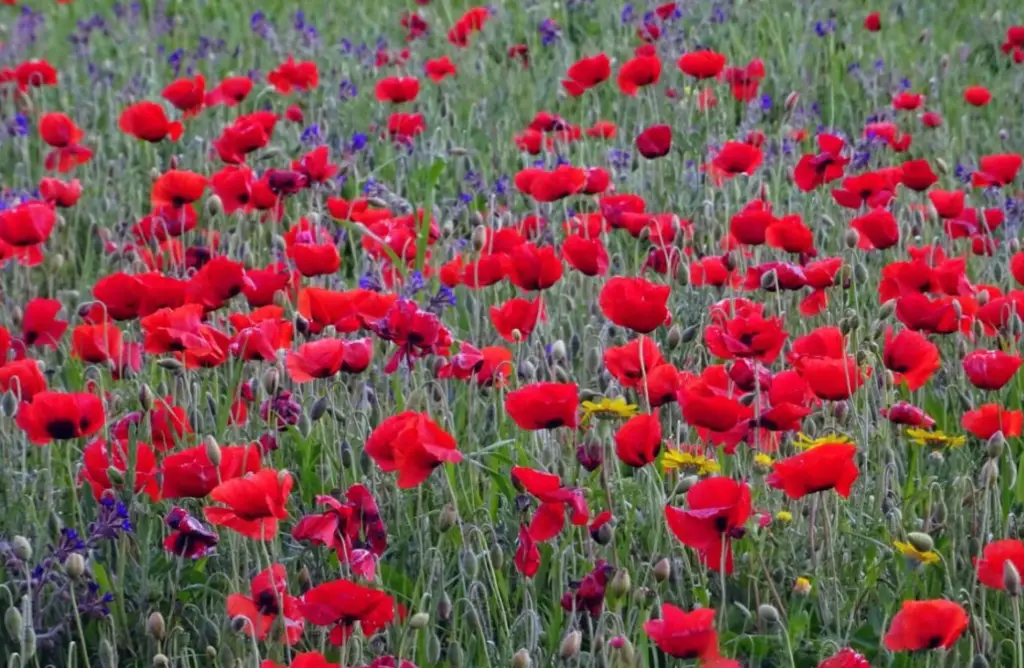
(61, 430)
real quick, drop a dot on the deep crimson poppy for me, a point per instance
(40, 325)
(269, 601)
(990, 369)
(35, 73)
(752, 337)
(988, 419)
(639, 72)
(412, 444)
(404, 127)
(554, 499)
(655, 141)
(905, 413)
(826, 166)
(415, 332)
(63, 194)
(60, 416)
(516, 319)
(994, 557)
(254, 503)
(187, 95)
(918, 175)
(684, 635)
(527, 556)
(876, 230)
(291, 75)
(638, 440)
(977, 96)
(397, 90)
(701, 64)
(543, 406)
(635, 303)
(147, 121)
(99, 457)
(824, 467)
(923, 625)
(872, 23)
(353, 528)
(586, 73)
(718, 509)
(911, 356)
(997, 170)
(188, 537)
(341, 603)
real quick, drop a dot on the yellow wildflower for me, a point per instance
(805, 442)
(784, 516)
(763, 462)
(802, 586)
(935, 439)
(912, 553)
(698, 464)
(606, 409)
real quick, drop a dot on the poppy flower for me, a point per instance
(753, 337)
(147, 121)
(397, 90)
(326, 357)
(988, 419)
(412, 444)
(340, 604)
(684, 635)
(187, 95)
(315, 165)
(631, 362)
(845, 658)
(791, 235)
(261, 340)
(168, 425)
(602, 130)
(824, 467)
(543, 406)
(40, 325)
(907, 414)
(997, 170)
(59, 131)
(826, 166)
(586, 73)
(977, 96)
(99, 457)
(191, 474)
(586, 255)
(188, 537)
(437, 69)
(745, 81)
(352, 528)
(253, 504)
(635, 303)
(873, 189)
(876, 230)
(990, 369)
(638, 440)
(490, 365)
(734, 158)
(923, 625)
(247, 134)
(911, 356)
(718, 508)
(176, 188)
(516, 319)
(907, 101)
(60, 193)
(35, 73)
(291, 75)
(918, 175)
(269, 601)
(639, 72)
(527, 556)
(655, 141)
(96, 344)
(947, 203)
(230, 91)
(22, 378)
(545, 186)
(554, 499)
(701, 64)
(416, 333)
(872, 23)
(994, 557)
(58, 416)
(530, 267)
(404, 127)
(26, 227)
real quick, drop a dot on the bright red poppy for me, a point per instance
(924, 625)
(99, 457)
(340, 604)
(543, 406)
(684, 635)
(58, 416)
(911, 356)
(990, 369)
(147, 121)
(992, 564)
(412, 444)
(253, 504)
(718, 508)
(824, 467)
(635, 303)
(638, 440)
(554, 500)
(268, 602)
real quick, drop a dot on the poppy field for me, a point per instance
(540, 333)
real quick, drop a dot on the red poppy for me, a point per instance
(247, 134)
(397, 90)
(911, 356)
(639, 72)
(545, 186)
(412, 444)
(907, 101)
(977, 96)
(586, 73)
(343, 310)
(527, 556)
(752, 337)
(191, 474)
(269, 601)
(996, 170)
(831, 376)
(255, 503)
(147, 121)
(491, 365)
(635, 303)
(631, 362)
(403, 127)
(872, 23)
(734, 158)
(718, 509)
(684, 635)
(826, 166)
(230, 91)
(326, 357)
(824, 467)
(353, 528)
(655, 141)
(947, 203)
(96, 344)
(99, 457)
(586, 255)
(35, 73)
(990, 369)
(988, 419)
(25, 227)
(58, 416)
(873, 189)
(437, 69)
(416, 333)
(791, 235)
(701, 64)
(554, 500)
(992, 564)
(22, 378)
(543, 406)
(638, 441)
(59, 131)
(923, 625)
(176, 188)
(291, 75)
(845, 658)
(516, 319)
(39, 323)
(876, 230)
(905, 413)
(187, 95)
(340, 604)
(315, 165)
(918, 175)
(602, 130)
(60, 193)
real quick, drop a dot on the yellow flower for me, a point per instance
(802, 586)
(608, 409)
(805, 442)
(763, 462)
(935, 439)
(784, 516)
(680, 459)
(913, 554)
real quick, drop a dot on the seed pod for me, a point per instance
(155, 626)
(419, 621)
(444, 607)
(851, 238)
(675, 337)
(271, 381)
(497, 557)
(447, 518)
(469, 563)
(455, 654)
(570, 646)
(768, 614)
(13, 622)
(9, 404)
(921, 542)
(663, 569)
(690, 333)
(433, 649)
(620, 584)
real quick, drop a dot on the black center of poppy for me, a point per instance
(31, 337)
(61, 430)
(243, 199)
(178, 201)
(554, 423)
(934, 642)
(266, 602)
(721, 524)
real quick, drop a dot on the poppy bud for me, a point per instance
(108, 656)
(663, 569)
(9, 404)
(620, 584)
(729, 261)
(521, 659)
(115, 476)
(570, 647)
(527, 371)
(770, 280)
(921, 542)
(792, 100)
(304, 424)
(419, 621)
(469, 563)
(444, 607)
(271, 381)
(851, 238)
(212, 449)
(603, 535)
(979, 661)
(1011, 578)
(558, 352)
(561, 375)
(860, 273)
(989, 473)
(690, 333)
(211, 652)
(455, 654)
(497, 557)
(13, 622)
(155, 626)
(74, 566)
(170, 364)
(214, 205)
(683, 274)
(22, 548)
(768, 614)
(161, 661)
(479, 237)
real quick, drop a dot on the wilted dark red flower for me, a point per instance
(352, 528)
(58, 416)
(684, 635)
(415, 332)
(655, 141)
(543, 406)
(902, 412)
(718, 509)
(412, 444)
(924, 625)
(823, 467)
(554, 501)
(188, 537)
